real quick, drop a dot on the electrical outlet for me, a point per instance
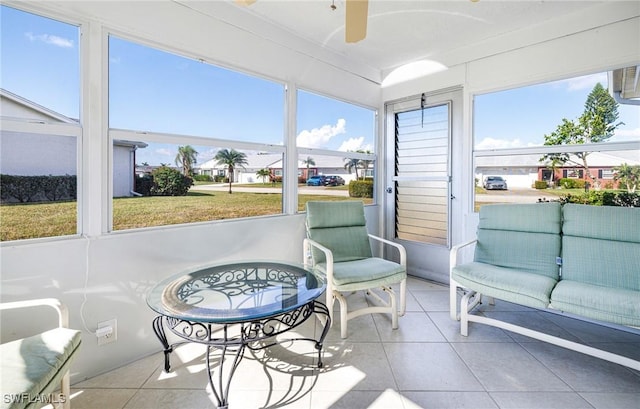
(107, 332)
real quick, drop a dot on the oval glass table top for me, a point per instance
(235, 292)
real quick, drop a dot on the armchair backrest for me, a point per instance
(339, 226)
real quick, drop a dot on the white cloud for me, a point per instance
(493, 143)
(319, 137)
(352, 144)
(164, 151)
(627, 134)
(50, 39)
(584, 82)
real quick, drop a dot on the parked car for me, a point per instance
(333, 180)
(318, 180)
(494, 182)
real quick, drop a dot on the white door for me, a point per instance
(418, 196)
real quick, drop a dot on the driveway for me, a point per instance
(522, 195)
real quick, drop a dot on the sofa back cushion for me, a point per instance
(521, 236)
(601, 245)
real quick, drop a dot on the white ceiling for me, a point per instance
(398, 31)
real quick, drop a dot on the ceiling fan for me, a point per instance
(356, 13)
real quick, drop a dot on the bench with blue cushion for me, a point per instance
(579, 260)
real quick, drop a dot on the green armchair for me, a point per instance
(338, 247)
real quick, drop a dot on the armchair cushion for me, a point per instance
(365, 273)
(35, 365)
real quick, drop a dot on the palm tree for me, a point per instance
(263, 173)
(186, 158)
(629, 175)
(352, 164)
(231, 159)
(309, 162)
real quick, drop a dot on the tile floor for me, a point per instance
(426, 363)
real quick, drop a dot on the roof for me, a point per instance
(17, 99)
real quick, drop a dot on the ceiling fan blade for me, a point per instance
(357, 12)
(245, 2)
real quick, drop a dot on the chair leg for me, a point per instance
(65, 391)
(343, 314)
(394, 308)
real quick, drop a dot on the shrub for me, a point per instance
(361, 188)
(144, 184)
(568, 183)
(203, 178)
(42, 188)
(540, 184)
(170, 182)
(603, 198)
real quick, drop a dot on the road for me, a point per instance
(493, 196)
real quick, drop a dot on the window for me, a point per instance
(532, 138)
(174, 115)
(336, 139)
(40, 132)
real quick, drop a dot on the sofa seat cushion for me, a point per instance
(36, 364)
(508, 284)
(365, 273)
(616, 305)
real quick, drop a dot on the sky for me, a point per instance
(153, 90)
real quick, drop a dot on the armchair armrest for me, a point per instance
(399, 247)
(61, 309)
(307, 244)
(453, 253)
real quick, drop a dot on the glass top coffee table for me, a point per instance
(230, 307)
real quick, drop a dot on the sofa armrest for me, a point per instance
(61, 309)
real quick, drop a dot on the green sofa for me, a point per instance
(33, 368)
(575, 259)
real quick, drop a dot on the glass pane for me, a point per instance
(155, 191)
(533, 178)
(326, 177)
(39, 186)
(522, 117)
(153, 90)
(27, 44)
(327, 123)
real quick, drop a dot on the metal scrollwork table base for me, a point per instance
(233, 307)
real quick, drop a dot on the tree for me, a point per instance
(596, 124)
(263, 173)
(309, 162)
(186, 158)
(231, 159)
(355, 164)
(629, 175)
(352, 164)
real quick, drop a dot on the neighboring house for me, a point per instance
(327, 165)
(521, 171)
(31, 154)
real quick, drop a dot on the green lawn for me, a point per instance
(26, 221)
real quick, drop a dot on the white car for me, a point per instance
(494, 182)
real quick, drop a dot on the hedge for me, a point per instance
(43, 188)
(361, 188)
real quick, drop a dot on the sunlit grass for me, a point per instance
(25, 221)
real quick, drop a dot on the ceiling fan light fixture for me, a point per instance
(412, 71)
